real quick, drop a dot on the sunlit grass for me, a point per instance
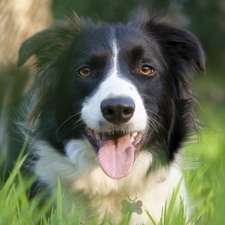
(17, 209)
(206, 180)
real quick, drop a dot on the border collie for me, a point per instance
(111, 107)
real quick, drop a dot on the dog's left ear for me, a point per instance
(178, 44)
(182, 53)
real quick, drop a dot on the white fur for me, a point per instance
(82, 178)
(114, 86)
(114, 69)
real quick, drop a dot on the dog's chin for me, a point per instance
(116, 150)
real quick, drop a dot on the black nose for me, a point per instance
(117, 110)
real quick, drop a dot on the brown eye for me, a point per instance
(84, 71)
(147, 70)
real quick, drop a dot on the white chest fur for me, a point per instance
(82, 180)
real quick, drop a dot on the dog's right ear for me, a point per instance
(33, 46)
(48, 44)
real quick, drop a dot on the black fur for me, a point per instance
(168, 96)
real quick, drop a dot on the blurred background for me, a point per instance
(206, 18)
(19, 19)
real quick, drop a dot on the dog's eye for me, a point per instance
(147, 70)
(84, 71)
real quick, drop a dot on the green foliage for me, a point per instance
(206, 179)
(170, 213)
(108, 10)
(206, 20)
(17, 209)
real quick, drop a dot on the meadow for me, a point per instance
(203, 164)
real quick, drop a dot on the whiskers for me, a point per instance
(154, 123)
(75, 122)
(78, 123)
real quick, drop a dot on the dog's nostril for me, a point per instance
(118, 110)
(128, 110)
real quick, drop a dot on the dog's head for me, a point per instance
(123, 87)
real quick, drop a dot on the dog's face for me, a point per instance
(115, 109)
(124, 88)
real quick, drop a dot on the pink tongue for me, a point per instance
(116, 156)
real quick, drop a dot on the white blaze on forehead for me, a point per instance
(114, 69)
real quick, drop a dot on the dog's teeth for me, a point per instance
(98, 137)
(134, 134)
(132, 139)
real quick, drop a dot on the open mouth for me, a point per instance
(116, 151)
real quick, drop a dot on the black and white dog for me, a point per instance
(112, 106)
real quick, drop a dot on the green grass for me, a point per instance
(17, 209)
(206, 183)
(204, 169)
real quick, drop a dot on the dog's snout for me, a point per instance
(118, 110)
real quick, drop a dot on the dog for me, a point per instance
(111, 107)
